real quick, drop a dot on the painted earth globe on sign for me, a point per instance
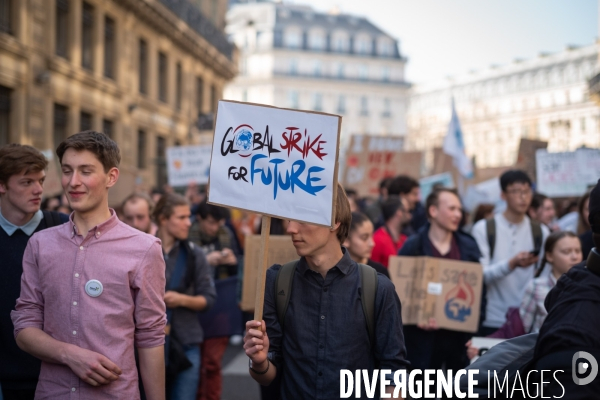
(243, 140)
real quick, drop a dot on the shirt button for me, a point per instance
(74, 332)
(74, 303)
(73, 389)
(80, 247)
(322, 317)
(76, 275)
(320, 373)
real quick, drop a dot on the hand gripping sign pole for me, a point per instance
(276, 162)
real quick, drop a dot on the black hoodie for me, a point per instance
(572, 324)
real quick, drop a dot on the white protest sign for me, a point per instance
(188, 164)
(429, 183)
(567, 174)
(275, 161)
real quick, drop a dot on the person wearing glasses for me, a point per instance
(510, 245)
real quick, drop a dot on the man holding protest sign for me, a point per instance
(324, 328)
(428, 346)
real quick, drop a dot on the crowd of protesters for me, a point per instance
(162, 252)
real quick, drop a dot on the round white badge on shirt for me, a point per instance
(94, 288)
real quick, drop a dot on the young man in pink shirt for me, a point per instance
(92, 289)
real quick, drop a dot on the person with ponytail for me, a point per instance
(561, 252)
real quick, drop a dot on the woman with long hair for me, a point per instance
(562, 251)
(360, 242)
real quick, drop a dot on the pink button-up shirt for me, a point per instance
(57, 264)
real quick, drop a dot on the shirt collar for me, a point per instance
(28, 228)
(99, 229)
(343, 265)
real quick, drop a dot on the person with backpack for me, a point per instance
(324, 313)
(429, 347)
(93, 289)
(190, 289)
(22, 174)
(511, 245)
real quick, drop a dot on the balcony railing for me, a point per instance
(201, 24)
(337, 77)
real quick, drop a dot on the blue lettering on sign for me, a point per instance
(291, 179)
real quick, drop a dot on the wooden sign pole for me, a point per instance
(262, 268)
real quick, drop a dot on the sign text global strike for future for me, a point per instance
(293, 141)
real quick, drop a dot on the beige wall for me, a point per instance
(39, 78)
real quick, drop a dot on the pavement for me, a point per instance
(237, 383)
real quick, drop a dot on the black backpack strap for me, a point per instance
(369, 282)
(490, 226)
(536, 232)
(283, 289)
(52, 218)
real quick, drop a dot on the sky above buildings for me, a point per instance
(448, 37)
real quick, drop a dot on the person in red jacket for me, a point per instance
(389, 238)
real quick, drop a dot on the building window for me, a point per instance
(293, 99)
(341, 108)
(62, 28)
(178, 88)
(582, 124)
(293, 66)
(385, 74)
(61, 118)
(340, 71)
(5, 95)
(293, 39)
(5, 16)
(143, 67)
(141, 149)
(109, 47)
(387, 108)
(213, 99)
(318, 102)
(108, 128)
(162, 77)
(363, 45)
(364, 106)
(316, 41)
(340, 44)
(317, 68)
(161, 161)
(245, 95)
(85, 121)
(363, 72)
(200, 94)
(87, 36)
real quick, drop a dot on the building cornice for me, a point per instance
(166, 22)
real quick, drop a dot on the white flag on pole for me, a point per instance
(454, 146)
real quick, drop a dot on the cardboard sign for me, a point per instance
(275, 162)
(447, 290)
(371, 159)
(567, 174)
(281, 251)
(188, 164)
(526, 155)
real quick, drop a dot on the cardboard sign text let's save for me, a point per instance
(447, 290)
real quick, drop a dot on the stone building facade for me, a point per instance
(545, 98)
(295, 57)
(146, 72)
